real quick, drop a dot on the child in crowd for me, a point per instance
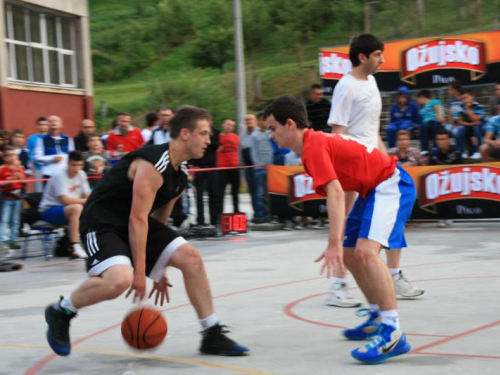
(19, 143)
(12, 195)
(96, 160)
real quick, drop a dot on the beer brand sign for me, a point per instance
(443, 54)
(459, 183)
(334, 65)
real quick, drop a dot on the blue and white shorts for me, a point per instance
(381, 216)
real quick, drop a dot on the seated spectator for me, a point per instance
(63, 200)
(490, 150)
(453, 104)
(227, 156)
(404, 115)
(495, 100)
(96, 160)
(12, 198)
(445, 152)
(87, 127)
(406, 155)
(124, 138)
(471, 117)
(18, 142)
(318, 110)
(432, 117)
(53, 148)
(262, 154)
(152, 122)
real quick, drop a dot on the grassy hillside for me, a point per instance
(167, 75)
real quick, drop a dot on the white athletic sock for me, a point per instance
(66, 304)
(394, 271)
(209, 322)
(390, 318)
(338, 280)
(373, 308)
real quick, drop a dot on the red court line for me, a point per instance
(43, 362)
(460, 355)
(455, 337)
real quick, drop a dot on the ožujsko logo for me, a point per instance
(443, 54)
(334, 65)
(471, 182)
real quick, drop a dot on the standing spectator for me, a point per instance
(12, 195)
(162, 133)
(406, 155)
(53, 148)
(472, 118)
(495, 100)
(151, 123)
(490, 150)
(227, 156)
(87, 127)
(432, 118)
(18, 142)
(125, 137)
(246, 157)
(96, 160)
(63, 200)
(318, 109)
(445, 152)
(404, 115)
(207, 181)
(262, 154)
(42, 128)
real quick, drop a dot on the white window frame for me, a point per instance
(61, 52)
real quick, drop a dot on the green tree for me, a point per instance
(175, 21)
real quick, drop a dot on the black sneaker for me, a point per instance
(215, 342)
(58, 320)
(14, 246)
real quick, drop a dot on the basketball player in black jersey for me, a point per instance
(124, 231)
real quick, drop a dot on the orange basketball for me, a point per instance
(144, 328)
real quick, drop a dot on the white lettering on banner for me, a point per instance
(441, 54)
(303, 185)
(469, 210)
(462, 181)
(334, 64)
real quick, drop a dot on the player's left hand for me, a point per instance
(161, 288)
(332, 259)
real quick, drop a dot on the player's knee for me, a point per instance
(119, 285)
(192, 260)
(364, 254)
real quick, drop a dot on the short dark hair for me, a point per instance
(316, 86)
(443, 131)
(365, 44)
(287, 107)
(75, 156)
(456, 85)
(424, 93)
(187, 116)
(151, 118)
(41, 118)
(93, 135)
(16, 132)
(123, 114)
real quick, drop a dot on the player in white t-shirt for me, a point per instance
(356, 109)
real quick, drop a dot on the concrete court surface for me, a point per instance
(268, 290)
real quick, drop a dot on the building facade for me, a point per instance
(45, 63)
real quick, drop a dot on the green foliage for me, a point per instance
(257, 24)
(213, 48)
(175, 21)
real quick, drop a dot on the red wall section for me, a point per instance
(19, 109)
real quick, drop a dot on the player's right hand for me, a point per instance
(332, 259)
(139, 286)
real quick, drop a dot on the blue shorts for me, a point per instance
(55, 216)
(381, 216)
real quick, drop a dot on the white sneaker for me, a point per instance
(465, 155)
(340, 297)
(404, 287)
(78, 252)
(319, 225)
(301, 226)
(476, 155)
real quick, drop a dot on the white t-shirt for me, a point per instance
(357, 105)
(146, 134)
(62, 184)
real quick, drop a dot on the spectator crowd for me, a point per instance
(420, 132)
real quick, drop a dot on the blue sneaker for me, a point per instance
(216, 342)
(368, 329)
(58, 320)
(389, 343)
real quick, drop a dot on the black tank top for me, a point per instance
(110, 203)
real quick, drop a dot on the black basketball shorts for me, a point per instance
(107, 248)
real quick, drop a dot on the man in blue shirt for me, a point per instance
(472, 119)
(490, 150)
(42, 128)
(404, 115)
